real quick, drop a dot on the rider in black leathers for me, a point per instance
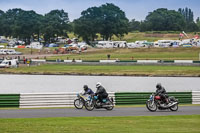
(162, 93)
(101, 92)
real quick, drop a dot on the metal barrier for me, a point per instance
(9, 100)
(39, 100)
(66, 99)
(125, 98)
(195, 97)
(115, 61)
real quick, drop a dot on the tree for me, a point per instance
(22, 24)
(1, 21)
(198, 23)
(113, 21)
(107, 20)
(164, 20)
(88, 25)
(187, 14)
(189, 19)
(54, 24)
(134, 25)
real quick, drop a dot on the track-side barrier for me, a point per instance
(115, 61)
(107, 61)
(147, 61)
(183, 61)
(38, 60)
(126, 98)
(67, 61)
(9, 100)
(195, 97)
(66, 99)
(40, 100)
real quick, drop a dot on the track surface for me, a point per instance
(72, 112)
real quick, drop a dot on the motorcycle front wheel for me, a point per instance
(151, 107)
(174, 108)
(78, 103)
(89, 105)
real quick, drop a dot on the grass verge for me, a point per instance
(134, 70)
(137, 124)
(136, 54)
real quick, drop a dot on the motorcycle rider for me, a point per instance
(101, 92)
(87, 90)
(160, 91)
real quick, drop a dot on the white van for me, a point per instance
(9, 63)
(9, 51)
(105, 44)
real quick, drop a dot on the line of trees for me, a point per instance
(163, 19)
(106, 20)
(28, 25)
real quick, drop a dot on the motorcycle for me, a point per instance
(155, 102)
(94, 102)
(80, 101)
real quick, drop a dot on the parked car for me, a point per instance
(9, 51)
(53, 45)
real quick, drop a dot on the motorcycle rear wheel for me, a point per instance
(89, 106)
(110, 103)
(150, 107)
(78, 103)
(174, 108)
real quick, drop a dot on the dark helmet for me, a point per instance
(159, 86)
(85, 87)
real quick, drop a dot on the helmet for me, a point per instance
(85, 87)
(158, 86)
(98, 84)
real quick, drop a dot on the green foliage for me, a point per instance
(55, 23)
(189, 19)
(108, 20)
(25, 25)
(164, 20)
(134, 25)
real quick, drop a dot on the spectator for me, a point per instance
(108, 55)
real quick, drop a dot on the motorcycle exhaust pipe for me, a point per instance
(104, 106)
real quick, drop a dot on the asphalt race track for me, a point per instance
(72, 112)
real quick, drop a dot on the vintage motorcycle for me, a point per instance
(94, 102)
(80, 101)
(155, 102)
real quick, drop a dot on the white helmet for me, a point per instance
(98, 84)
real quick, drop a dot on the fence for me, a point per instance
(195, 97)
(125, 98)
(66, 99)
(114, 61)
(9, 100)
(38, 100)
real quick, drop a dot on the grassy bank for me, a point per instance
(137, 124)
(136, 54)
(134, 70)
(149, 36)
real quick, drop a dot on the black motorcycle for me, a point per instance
(94, 102)
(155, 102)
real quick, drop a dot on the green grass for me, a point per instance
(132, 124)
(137, 54)
(149, 36)
(135, 70)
